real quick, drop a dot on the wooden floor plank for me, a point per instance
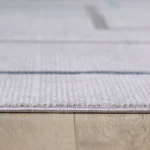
(37, 132)
(112, 131)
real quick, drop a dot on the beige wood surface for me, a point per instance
(36, 132)
(113, 132)
(74, 131)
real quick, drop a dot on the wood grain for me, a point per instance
(83, 132)
(112, 131)
(36, 132)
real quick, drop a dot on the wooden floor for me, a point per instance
(74, 131)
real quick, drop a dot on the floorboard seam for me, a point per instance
(76, 147)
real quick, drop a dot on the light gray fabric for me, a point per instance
(75, 56)
(69, 21)
(83, 77)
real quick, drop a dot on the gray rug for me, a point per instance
(76, 56)
(70, 77)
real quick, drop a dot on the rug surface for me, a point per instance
(77, 56)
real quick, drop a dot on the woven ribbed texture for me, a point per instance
(74, 90)
(74, 57)
(35, 76)
(80, 55)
